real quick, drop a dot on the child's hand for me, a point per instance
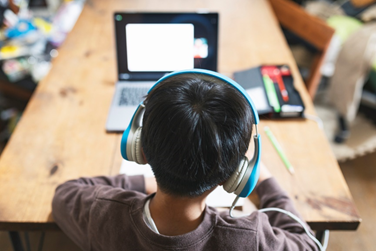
(264, 173)
(150, 185)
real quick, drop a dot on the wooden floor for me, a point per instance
(360, 175)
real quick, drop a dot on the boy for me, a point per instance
(195, 133)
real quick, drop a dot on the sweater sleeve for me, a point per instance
(277, 231)
(73, 199)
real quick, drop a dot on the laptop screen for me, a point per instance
(150, 45)
(159, 47)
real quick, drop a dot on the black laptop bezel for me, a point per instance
(203, 22)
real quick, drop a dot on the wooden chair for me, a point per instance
(362, 3)
(310, 28)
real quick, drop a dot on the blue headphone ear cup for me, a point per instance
(236, 178)
(137, 148)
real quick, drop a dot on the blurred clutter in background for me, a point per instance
(30, 33)
(346, 95)
(332, 41)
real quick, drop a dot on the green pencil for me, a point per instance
(271, 93)
(278, 147)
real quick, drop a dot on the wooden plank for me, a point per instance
(295, 18)
(362, 3)
(62, 133)
(313, 188)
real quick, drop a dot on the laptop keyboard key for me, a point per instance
(132, 96)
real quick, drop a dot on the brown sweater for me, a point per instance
(106, 213)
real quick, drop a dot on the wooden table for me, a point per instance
(62, 135)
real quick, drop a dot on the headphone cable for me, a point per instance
(294, 217)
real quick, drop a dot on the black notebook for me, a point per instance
(271, 88)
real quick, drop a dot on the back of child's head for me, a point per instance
(195, 132)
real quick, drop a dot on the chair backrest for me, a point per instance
(362, 3)
(310, 28)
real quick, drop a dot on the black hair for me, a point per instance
(195, 132)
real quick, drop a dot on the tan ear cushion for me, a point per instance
(235, 179)
(139, 158)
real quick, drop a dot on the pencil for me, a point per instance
(279, 150)
(271, 93)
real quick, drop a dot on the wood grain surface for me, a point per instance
(62, 135)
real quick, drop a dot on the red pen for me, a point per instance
(275, 74)
(281, 85)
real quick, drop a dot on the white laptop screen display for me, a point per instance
(159, 47)
(149, 45)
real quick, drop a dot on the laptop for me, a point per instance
(150, 45)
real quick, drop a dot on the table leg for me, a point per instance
(41, 241)
(27, 241)
(16, 241)
(320, 235)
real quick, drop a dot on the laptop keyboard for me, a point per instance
(132, 96)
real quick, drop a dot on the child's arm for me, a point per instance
(277, 230)
(71, 205)
(135, 183)
(272, 195)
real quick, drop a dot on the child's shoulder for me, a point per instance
(119, 196)
(244, 223)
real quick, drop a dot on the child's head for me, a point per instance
(195, 133)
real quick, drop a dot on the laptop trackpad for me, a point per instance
(119, 118)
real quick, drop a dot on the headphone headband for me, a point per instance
(216, 76)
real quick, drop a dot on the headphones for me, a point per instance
(243, 180)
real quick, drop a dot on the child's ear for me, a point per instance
(143, 155)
